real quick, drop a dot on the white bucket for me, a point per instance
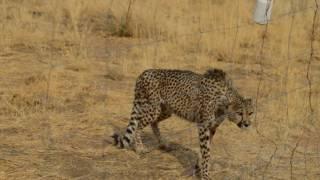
(263, 10)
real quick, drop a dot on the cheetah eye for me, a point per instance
(240, 113)
(250, 113)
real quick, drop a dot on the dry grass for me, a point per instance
(67, 80)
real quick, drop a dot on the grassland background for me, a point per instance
(68, 70)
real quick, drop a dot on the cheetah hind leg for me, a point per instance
(148, 113)
(166, 113)
(163, 145)
(138, 145)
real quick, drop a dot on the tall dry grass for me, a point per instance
(67, 65)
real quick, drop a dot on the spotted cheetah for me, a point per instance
(205, 99)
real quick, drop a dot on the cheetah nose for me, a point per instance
(246, 125)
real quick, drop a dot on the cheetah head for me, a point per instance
(240, 113)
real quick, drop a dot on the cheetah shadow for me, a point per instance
(185, 155)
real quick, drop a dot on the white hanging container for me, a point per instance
(263, 11)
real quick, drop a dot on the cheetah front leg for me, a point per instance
(204, 137)
(196, 169)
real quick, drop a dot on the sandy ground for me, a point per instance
(56, 122)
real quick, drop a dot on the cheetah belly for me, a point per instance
(184, 104)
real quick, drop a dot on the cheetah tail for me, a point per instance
(124, 141)
(118, 140)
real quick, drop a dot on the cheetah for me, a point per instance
(205, 99)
